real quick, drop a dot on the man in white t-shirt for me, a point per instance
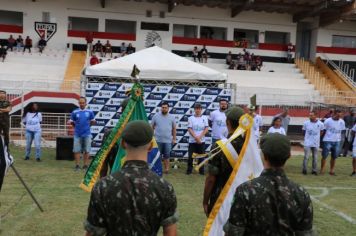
(353, 174)
(257, 121)
(198, 127)
(312, 130)
(217, 122)
(331, 141)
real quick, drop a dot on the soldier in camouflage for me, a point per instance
(5, 108)
(271, 204)
(133, 201)
(219, 168)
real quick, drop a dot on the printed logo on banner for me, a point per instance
(99, 137)
(180, 89)
(162, 89)
(112, 123)
(178, 110)
(124, 87)
(178, 154)
(181, 132)
(225, 92)
(95, 107)
(206, 98)
(190, 98)
(181, 147)
(212, 91)
(100, 122)
(184, 104)
(177, 117)
(112, 87)
(182, 125)
(90, 93)
(148, 88)
(99, 100)
(110, 108)
(104, 94)
(105, 115)
(197, 91)
(94, 86)
(171, 103)
(96, 129)
(114, 101)
(152, 103)
(150, 110)
(156, 96)
(96, 144)
(185, 139)
(173, 97)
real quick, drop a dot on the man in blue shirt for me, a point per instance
(82, 119)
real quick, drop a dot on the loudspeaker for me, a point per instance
(64, 149)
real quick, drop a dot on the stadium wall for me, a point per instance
(186, 15)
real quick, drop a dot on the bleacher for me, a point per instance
(34, 71)
(275, 84)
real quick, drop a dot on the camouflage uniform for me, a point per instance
(4, 120)
(270, 205)
(133, 201)
(220, 167)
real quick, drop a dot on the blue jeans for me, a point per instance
(30, 136)
(333, 147)
(165, 149)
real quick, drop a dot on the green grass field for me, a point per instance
(55, 184)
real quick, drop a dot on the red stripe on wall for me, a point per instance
(102, 35)
(335, 50)
(32, 94)
(11, 28)
(226, 43)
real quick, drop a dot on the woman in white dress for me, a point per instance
(276, 127)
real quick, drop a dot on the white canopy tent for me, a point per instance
(156, 63)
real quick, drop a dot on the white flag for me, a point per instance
(5, 159)
(248, 166)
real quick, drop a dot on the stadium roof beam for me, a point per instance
(314, 11)
(103, 3)
(343, 13)
(237, 9)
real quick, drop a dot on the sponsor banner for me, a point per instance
(105, 100)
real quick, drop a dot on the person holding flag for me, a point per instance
(271, 204)
(219, 169)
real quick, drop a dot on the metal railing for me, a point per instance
(53, 125)
(342, 70)
(329, 93)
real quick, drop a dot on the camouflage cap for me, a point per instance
(234, 113)
(137, 133)
(276, 146)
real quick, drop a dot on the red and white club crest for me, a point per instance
(45, 30)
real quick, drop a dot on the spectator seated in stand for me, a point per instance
(107, 48)
(98, 47)
(19, 43)
(245, 61)
(123, 49)
(94, 60)
(3, 52)
(42, 44)
(11, 42)
(130, 49)
(28, 44)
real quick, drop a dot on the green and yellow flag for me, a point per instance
(134, 110)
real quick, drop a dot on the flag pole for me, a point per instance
(26, 187)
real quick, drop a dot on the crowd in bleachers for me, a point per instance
(107, 48)
(243, 61)
(20, 45)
